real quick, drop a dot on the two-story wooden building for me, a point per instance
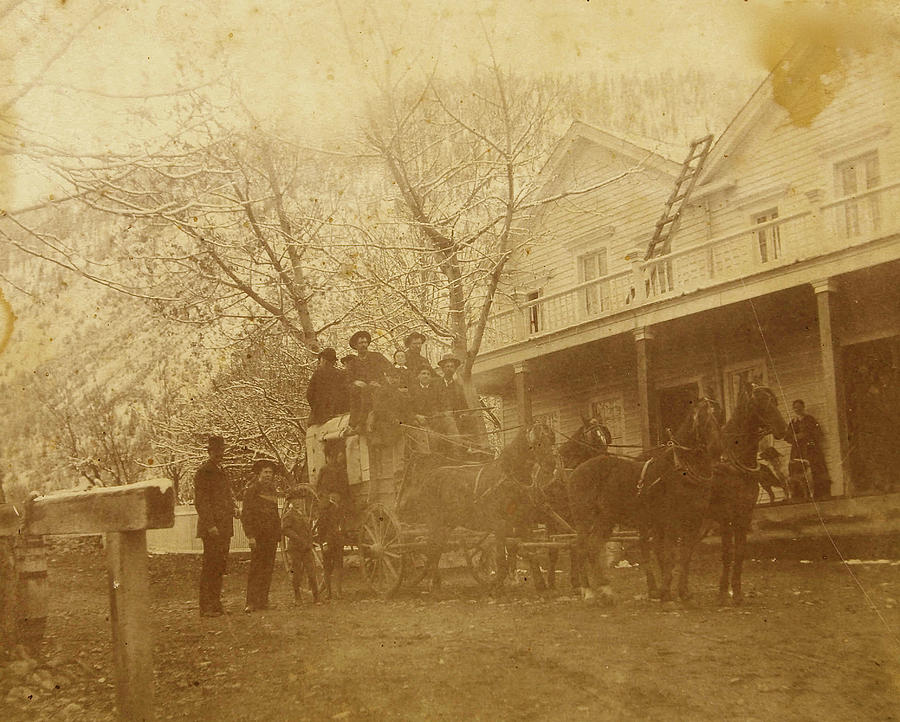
(784, 268)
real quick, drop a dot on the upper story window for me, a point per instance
(768, 239)
(533, 312)
(859, 216)
(592, 266)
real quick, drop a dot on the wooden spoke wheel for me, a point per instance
(481, 557)
(381, 550)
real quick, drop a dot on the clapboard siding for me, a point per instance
(781, 164)
(615, 217)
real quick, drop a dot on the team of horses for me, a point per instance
(706, 473)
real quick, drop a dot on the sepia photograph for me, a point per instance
(449, 360)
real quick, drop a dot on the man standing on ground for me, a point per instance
(805, 436)
(215, 511)
(262, 525)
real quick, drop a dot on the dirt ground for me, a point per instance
(816, 640)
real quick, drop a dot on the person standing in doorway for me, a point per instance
(805, 436)
(262, 525)
(215, 510)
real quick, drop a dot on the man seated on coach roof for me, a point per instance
(327, 393)
(368, 371)
(414, 359)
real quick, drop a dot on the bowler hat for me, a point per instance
(414, 335)
(449, 358)
(354, 339)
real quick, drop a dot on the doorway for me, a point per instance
(871, 383)
(674, 404)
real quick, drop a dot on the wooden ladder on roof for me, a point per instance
(690, 171)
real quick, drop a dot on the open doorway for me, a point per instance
(873, 394)
(674, 404)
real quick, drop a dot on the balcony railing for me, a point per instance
(844, 222)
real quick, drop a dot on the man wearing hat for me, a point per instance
(215, 511)
(455, 396)
(414, 359)
(328, 393)
(368, 372)
(262, 525)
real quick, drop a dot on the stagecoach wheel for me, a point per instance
(481, 558)
(380, 547)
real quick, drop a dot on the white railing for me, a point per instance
(840, 223)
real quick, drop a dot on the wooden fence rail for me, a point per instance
(123, 514)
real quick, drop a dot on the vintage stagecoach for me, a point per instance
(390, 549)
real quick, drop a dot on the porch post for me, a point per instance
(835, 421)
(642, 338)
(523, 394)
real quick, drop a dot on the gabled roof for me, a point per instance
(760, 102)
(642, 150)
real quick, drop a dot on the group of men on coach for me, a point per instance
(431, 401)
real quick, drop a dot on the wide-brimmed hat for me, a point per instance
(354, 339)
(449, 358)
(261, 464)
(414, 335)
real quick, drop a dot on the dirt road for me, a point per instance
(813, 641)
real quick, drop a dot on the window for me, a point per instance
(768, 239)
(533, 313)
(858, 175)
(610, 412)
(592, 266)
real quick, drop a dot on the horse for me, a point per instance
(591, 439)
(494, 496)
(664, 493)
(735, 485)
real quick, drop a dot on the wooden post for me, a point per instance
(642, 337)
(523, 395)
(129, 605)
(835, 420)
(123, 513)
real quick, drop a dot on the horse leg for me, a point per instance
(727, 542)
(647, 561)
(552, 562)
(666, 552)
(740, 544)
(691, 538)
(598, 563)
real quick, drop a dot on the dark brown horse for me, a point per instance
(665, 494)
(755, 415)
(492, 497)
(591, 439)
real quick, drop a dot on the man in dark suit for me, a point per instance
(328, 392)
(368, 372)
(415, 361)
(215, 511)
(262, 525)
(805, 436)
